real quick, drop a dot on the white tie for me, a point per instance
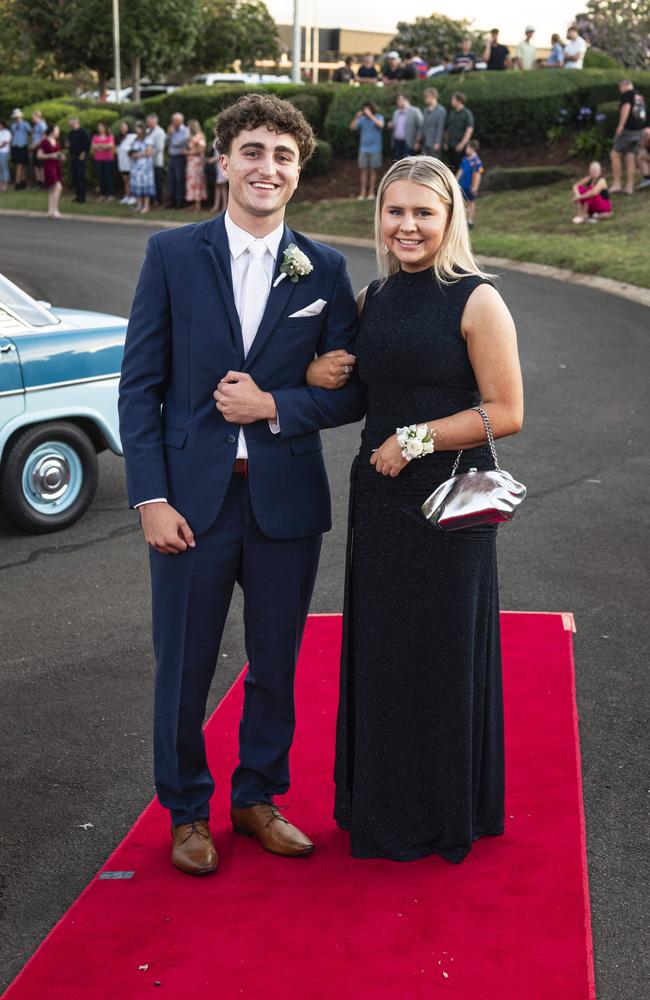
(256, 292)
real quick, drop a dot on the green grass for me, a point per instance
(530, 225)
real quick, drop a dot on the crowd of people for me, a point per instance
(432, 130)
(492, 55)
(180, 167)
(139, 156)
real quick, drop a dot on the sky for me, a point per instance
(380, 15)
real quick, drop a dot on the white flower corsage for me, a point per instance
(295, 265)
(415, 441)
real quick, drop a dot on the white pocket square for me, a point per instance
(311, 310)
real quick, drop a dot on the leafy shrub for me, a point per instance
(321, 161)
(22, 91)
(310, 108)
(591, 144)
(203, 102)
(516, 178)
(599, 60)
(52, 110)
(607, 117)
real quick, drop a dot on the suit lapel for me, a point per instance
(276, 304)
(219, 252)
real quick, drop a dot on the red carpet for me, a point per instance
(510, 923)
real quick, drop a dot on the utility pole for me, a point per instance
(116, 49)
(297, 43)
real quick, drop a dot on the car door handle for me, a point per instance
(6, 348)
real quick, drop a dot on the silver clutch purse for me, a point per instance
(473, 498)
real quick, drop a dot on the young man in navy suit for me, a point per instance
(224, 462)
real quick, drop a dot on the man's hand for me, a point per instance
(388, 459)
(331, 370)
(242, 402)
(165, 529)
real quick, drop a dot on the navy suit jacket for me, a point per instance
(184, 335)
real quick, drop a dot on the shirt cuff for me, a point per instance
(274, 426)
(154, 500)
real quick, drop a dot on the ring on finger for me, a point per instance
(347, 369)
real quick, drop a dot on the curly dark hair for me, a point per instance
(253, 110)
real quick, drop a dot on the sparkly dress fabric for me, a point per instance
(419, 757)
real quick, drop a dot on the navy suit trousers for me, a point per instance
(191, 595)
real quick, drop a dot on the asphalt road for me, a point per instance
(76, 662)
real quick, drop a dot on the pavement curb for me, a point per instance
(633, 293)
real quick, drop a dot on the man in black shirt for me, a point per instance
(78, 144)
(367, 71)
(496, 55)
(392, 71)
(345, 73)
(632, 119)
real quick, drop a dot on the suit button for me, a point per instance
(231, 439)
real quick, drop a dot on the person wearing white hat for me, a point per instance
(392, 72)
(20, 137)
(526, 53)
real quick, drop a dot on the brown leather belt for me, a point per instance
(241, 466)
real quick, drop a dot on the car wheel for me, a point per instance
(48, 477)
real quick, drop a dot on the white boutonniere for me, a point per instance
(295, 265)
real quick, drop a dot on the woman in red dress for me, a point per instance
(50, 154)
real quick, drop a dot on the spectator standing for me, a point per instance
(632, 120)
(406, 126)
(469, 176)
(460, 128)
(103, 151)
(556, 55)
(465, 60)
(157, 135)
(368, 72)
(421, 67)
(195, 186)
(392, 71)
(495, 55)
(178, 136)
(142, 183)
(50, 154)
(220, 183)
(574, 50)
(39, 128)
(410, 67)
(643, 160)
(370, 126)
(344, 73)
(526, 53)
(20, 135)
(5, 154)
(591, 196)
(125, 140)
(434, 119)
(78, 147)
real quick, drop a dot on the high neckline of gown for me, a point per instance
(425, 274)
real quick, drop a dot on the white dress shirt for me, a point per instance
(239, 241)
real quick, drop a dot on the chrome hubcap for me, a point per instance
(52, 477)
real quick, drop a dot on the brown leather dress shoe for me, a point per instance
(192, 848)
(272, 830)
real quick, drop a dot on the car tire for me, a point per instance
(48, 477)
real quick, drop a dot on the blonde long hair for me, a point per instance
(454, 259)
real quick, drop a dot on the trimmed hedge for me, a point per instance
(516, 178)
(202, 102)
(22, 91)
(509, 108)
(321, 161)
(90, 119)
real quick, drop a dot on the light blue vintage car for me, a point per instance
(59, 372)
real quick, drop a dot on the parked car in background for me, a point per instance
(59, 373)
(126, 93)
(209, 79)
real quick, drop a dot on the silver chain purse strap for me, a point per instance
(490, 437)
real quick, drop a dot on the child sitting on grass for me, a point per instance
(591, 196)
(469, 177)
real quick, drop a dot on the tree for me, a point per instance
(235, 31)
(436, 37)
(620, 28)
(156, 35)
